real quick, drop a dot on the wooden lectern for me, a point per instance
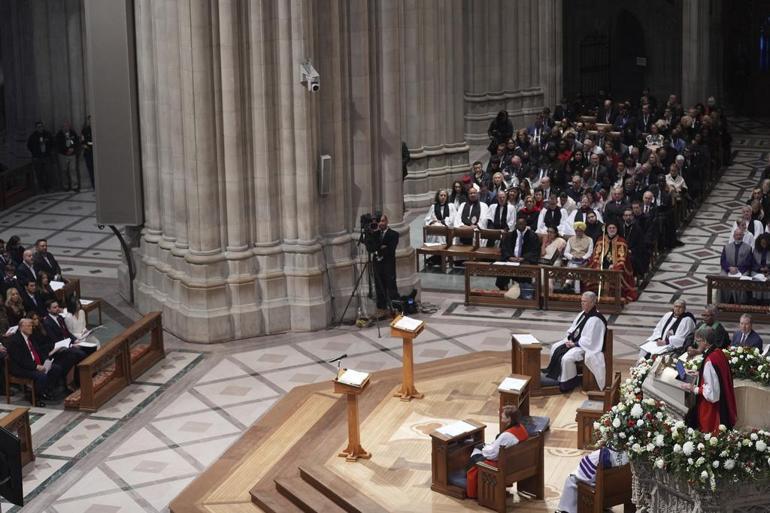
(407, 391)
(450, 454)
(354, 451)
(519, 399)
(525, 361)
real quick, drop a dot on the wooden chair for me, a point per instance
(613, 487)
(14, 380)
(521, 463)
(592, 409)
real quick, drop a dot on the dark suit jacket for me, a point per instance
(752, 339)
(41, 265)
(20, 360)
(55, 332)
(530, 250)
(24, 275)
(387, 251)
(32, 306)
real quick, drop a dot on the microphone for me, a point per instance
(338, 359)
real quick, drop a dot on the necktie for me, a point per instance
(34, 352)
(737, 250)
(519, 244)
(63, 327)
(646, 208)
(47, 261)
(743, 339)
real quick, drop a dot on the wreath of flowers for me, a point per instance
(643, 429)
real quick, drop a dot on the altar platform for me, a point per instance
(307, 429)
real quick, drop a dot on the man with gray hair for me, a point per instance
(584, 341)
(671, 332)
(746, 336)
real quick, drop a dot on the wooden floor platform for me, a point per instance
(287, 462)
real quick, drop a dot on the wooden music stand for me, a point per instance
(519, 399)
(451, 454)
(525, 360)
(407, 391)
(354, 451)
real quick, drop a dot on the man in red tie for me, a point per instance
(25, 361)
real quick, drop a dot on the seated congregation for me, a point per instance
(597, 188)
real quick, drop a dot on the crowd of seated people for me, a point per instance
(625, 173)
(32, 321)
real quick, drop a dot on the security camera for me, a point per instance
(310, 77)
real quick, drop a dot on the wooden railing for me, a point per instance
(483, 296)
(17, 422)
(734, 297)
(118, 363)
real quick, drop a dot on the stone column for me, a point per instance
(432, 59)
(696, 52)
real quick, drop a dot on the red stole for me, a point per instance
(724, 411)
(471, 487)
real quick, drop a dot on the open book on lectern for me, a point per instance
(352, 377)
(407, 324)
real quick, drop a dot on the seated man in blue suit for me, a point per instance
(746, 336)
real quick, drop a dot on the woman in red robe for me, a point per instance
(512, 435)
(715, 403)
(611, 252)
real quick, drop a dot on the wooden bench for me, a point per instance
(429, 249)
(522, 463)
(14, 380)
(17, 422)
(16, 185)
(526, 359)
(613, 487)
(598, 403)
(117, 364)
(496, 297)
(611, 300)
(733, 311)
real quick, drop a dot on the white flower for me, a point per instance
(761, 445)
(704, 475)
(622, 435)
(596, 425)
(677, 448)
(701, 446)
(679, 424)
(722, 427)
(714, 441)
(733, 360)
(650, 447)
(690, 461)
(616, 423)
(636, 448)
(660, 463)
(639, 423)
(688, 448)
(746, 442)
(707, 436)
(659, 441)
(754, 437)
(729, 464)
(659, 415)
(637, 411)
(700, 461)
(715, 463)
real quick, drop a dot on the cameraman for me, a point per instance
(385, 266)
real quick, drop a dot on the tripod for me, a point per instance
(368, 271)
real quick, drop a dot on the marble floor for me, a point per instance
(140, 450)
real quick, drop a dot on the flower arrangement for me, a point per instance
(643, 429)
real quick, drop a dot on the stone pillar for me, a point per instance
(432, 62)
(696, 52)
(250, 247)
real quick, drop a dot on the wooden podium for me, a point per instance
(518, 399)
(354, 451)
(525, 361)
(407, 391)
(450, 454)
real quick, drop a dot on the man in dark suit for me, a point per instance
(629, 230)
(385, 266)
(522, 246)
(26, 269)
(57, 330)
(613, 209)
(607, 113)
(32, 300)
(25, 361)
(45, 261)
(746, 336)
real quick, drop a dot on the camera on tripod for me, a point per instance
(370, 231)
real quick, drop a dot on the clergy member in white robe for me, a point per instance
(471, 213)
(586, 472)
(441, 212)
(672, 329)
(584, 342)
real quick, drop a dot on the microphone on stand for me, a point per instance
(338, 359)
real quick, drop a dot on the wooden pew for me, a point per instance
(117, 363)
(14, 380)
(435, 249)
(522, 464)
(17, 422)
(613, 487)
(496, 297)
(733, 311)
(598, 403)
(526, 359)
(611, 301)
(72, 285)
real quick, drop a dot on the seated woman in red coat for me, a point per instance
(513, 434)
(715, 403)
